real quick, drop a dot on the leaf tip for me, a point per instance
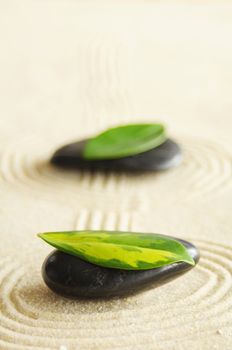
(190, 260)
(41, 235)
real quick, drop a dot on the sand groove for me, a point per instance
(212, 168)
(29, 309)
(206, 171)
(69, 69)
(35, 175)
(98, 220)
(104, 66)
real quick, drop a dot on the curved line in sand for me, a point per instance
(212, 299)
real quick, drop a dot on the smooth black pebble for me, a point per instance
(162, 157)
(72, 277)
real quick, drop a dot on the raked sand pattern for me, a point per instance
(29, 310)
(69, 69)
(206, 170)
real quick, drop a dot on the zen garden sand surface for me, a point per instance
(69, 69)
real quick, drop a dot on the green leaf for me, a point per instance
(120, 250)
(124, 141)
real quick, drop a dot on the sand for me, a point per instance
(69, 69)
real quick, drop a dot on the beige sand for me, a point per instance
(71, 68)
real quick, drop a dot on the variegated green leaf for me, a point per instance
(121, 250)
(123, 141)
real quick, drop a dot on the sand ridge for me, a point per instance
(69, 69)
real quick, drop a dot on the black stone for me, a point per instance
(162, 157)
(72, 277)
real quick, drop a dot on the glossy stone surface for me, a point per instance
(162, 157)
(72, 277)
